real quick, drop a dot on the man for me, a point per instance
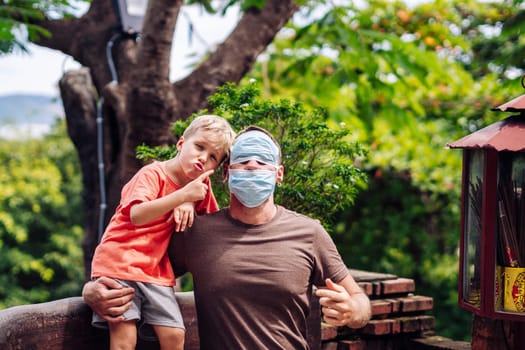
(255, 263)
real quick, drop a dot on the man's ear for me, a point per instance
(280, 173)
(225, 167)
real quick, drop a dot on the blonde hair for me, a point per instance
(218, 125)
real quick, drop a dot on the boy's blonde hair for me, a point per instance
(219, 126)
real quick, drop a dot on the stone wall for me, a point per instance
(401, 320)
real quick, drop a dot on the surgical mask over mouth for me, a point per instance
(253, 187)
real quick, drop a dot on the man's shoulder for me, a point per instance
(294, 215)
(210, 217)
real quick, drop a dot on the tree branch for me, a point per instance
(86, 39)
(156, 41)
(236, 56)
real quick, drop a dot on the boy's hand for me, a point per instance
(196, 190)
(184, 215)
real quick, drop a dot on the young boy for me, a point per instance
(160, 199)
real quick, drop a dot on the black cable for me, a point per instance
(100, 138)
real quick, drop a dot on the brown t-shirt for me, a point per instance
(253, 282)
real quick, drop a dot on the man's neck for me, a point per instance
(253, 216)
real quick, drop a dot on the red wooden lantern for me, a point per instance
(492, 244)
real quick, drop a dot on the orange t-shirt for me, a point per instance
(139, 253)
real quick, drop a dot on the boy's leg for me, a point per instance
(162, 312)
(170, 338)
(123, 335)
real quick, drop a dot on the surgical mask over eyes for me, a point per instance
(251, 187)
(254, 145)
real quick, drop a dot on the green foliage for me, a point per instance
(223, 6)
(396, 227)
(146, 152)
(40, 220)
(17, 19)
(321, 176)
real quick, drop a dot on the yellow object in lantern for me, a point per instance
(514, 289)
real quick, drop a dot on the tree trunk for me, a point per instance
(138, 101)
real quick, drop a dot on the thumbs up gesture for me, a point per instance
(344, 304)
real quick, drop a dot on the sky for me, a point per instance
(39, 71)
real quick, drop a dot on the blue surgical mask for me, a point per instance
(254, 145)
(251, 187)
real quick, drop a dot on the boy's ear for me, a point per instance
(180, 142)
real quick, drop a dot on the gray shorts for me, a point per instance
(152, 305)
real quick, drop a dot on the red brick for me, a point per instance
(410, 324)
(352, 345)
(379, 327)
(328, 332)
(330, 346)
(380, 344)
(396, 326)
(398, 286)
(376, 289)
(427, 322)
(381, 307)
(396, 304)
(416, 303)
(440, 343)
(367, 287)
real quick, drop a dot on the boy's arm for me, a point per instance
(195, 190)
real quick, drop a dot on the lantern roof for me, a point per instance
(515, 105)
(505, 135)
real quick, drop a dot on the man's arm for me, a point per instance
(177, 253)
(108, 298)
(344, 303)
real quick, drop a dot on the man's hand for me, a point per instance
(344, 304)
(108, 298)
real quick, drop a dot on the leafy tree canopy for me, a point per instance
(40, 220)
(17, 17)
